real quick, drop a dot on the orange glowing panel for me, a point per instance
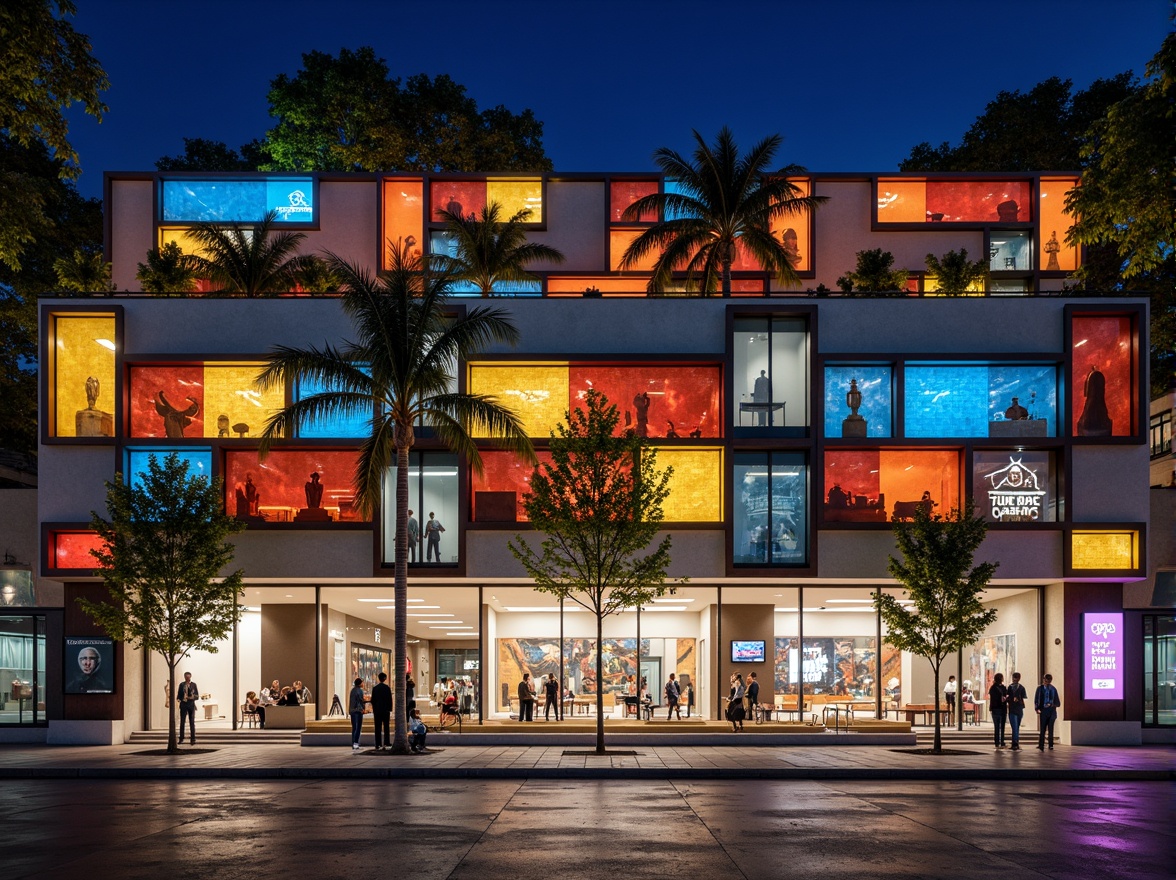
(623, 193)
(71, 550)
(175, 390)
(604, 283)
(979, 201)
(795, 230)
(499, 493)
(404, 214)
(1102, 376)
(282, 488)
(882, 485)
(656, 400)
(902, 201)
(618, 242)
(457, 197)
(1054, 255)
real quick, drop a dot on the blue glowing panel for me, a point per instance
(946, 401)
(874, 384)
(199, 461)
(1035, 389)
(673, 186)
(348, 425)
(238, 201)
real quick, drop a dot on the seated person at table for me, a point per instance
(271, 694)
(449, 705)
(304, 694)
(254, 705)
(289, 697)
(417, 729)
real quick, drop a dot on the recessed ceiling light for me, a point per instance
(430, 614)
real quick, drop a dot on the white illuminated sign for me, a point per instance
(1015, 493)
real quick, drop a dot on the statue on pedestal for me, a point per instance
(853, 425)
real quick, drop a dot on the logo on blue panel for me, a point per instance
(298, 205)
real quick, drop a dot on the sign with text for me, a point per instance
(1017, 486)
(1102, 656)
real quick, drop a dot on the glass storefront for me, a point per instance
(22, 669)
(1159, 670)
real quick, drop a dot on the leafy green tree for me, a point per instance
(83, 272)
(167, 270)
(47, 68)
(251, 262)
(346, 113)
(401, 369)
(1038, 130)
(599, 505)
(874, 273)
(724, 200)
(955, 274)
(491, 250)
(164, 546)
(936, 571)
(201, 154)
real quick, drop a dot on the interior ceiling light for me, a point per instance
(105, 343)
(671, 601)
(542, 608)
(430, 614)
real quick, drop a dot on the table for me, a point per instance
(210, 711)
(913, 709)
(766, 408)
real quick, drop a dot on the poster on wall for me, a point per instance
(1102, 656)
(990, 655)
(89, 665)
(367, 663)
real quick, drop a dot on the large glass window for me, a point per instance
(1017, 486)
(905, 200)
(238, 201)
(1103, 376)
(1161, 434)
(82, 389)
(655, 400)
(872, 417)
(22, 669)
(771, 379)
(71, 550)
(1010, 251)
(404, 214)
(1056, 254)
(302, 486)
(994, 400)
(471, 196)
(538, 393)
(1159, 670)
(432, 498)
(771, 509)
(871, 485)
(623, 193)
(200, 400)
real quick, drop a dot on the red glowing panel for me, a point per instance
(72, 549)
(276, 490)
(683, 400)
(499, 493)
(181, 387)
(623, 193)
(1102, 377)
(884, 485)
(457, 197)
(979, 201)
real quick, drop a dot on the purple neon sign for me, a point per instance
(1102, 656)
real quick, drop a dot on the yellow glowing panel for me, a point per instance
(618, 242)
(180, 237)
(794, 230)
(1054, 255)
(229, 391)
(404, 214)
(83, 349)
(1103, 550)
(517, 195)
(931, 285)
(696, 488)
(538, 393)
(902, 201)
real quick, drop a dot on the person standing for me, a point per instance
(409, 693)
(949, 697)
(414, 537)
(433, 530)
(526, 698)
(186, 695)
(689, 698)
(355, 708)
(673, 692)
(1046, 703)
(551, 695)
(1016, 703)
(998, 709)
(382, 711)
(752, 695)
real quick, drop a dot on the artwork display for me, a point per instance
(839, 665)
(281, 489)
(906, 200)
(180, 401)
(873, 387)
(81, 360)
(889, 485)
(89, 665)
(771, 513)
(990, 655)
(367, 662)
(1102, 376)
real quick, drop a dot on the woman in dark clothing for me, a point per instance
(409, 694)
(289, 697)
(998, 709)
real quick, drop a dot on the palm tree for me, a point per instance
(490, 249)
(252, 262)
(400, 367)
(723, 199)
(167, 270)
(83, 272)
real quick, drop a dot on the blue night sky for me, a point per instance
(852, 85)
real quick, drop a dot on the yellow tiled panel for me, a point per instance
(229, 390)
(78, 356)
(696, 488)
(537, 393)
(1103, 550)
(517, 195)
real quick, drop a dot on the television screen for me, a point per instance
(747, 652)
(89, 665)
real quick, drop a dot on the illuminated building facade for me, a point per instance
(800, 427)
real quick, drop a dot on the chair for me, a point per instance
(248, 716)
(970, 714)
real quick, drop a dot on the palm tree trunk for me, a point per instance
(400, 642)
(726, 277)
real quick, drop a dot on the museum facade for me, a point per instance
(800, 427)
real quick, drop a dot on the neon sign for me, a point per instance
(1015, 493)
(1102, 656)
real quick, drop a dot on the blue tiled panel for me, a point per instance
(339, 426)
(875, 385)
(199, 461)
(946, 401)
(238, 201)
(1035, 386)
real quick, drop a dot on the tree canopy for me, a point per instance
(874, 273)
(346, 113)
(490, 250)
(163, 548)
(201, 154)
(954, 273)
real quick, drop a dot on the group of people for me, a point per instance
(740, 694)
(294, 694)
(1008, 702)
(528, 696)
(380, 703)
